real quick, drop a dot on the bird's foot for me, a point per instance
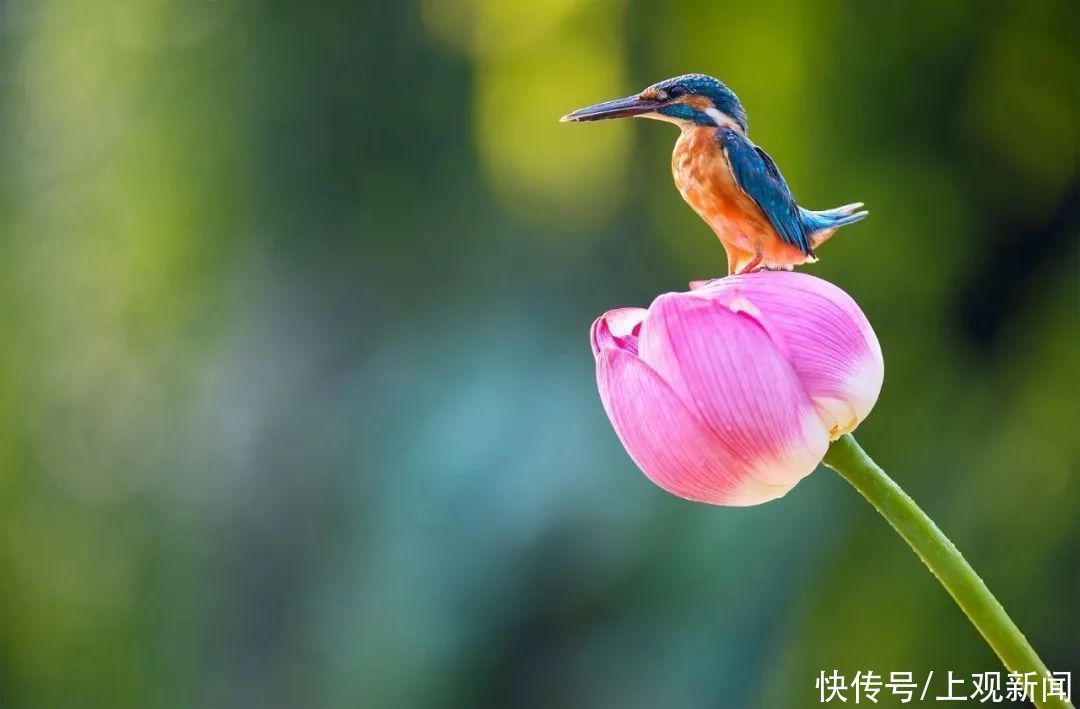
(754, 265)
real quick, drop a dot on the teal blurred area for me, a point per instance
(297, 407)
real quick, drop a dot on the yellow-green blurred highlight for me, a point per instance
(529, 58)
(296, 403)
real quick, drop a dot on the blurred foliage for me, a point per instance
(298, 409)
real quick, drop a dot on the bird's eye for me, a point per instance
(675, 91)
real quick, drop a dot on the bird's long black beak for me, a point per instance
(619, 108)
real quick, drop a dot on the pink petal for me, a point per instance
(824, 335)
(723, 365)
(617, 328)
(670, 445)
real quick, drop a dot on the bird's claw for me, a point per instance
(754, 265)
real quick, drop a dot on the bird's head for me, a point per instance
(690, 99)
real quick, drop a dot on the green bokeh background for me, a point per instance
(297, 407)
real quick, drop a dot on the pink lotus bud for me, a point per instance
(730, 394)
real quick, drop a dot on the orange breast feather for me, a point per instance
(705, 181)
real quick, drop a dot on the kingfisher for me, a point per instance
(731, 183)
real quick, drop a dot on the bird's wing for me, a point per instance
(757, 175)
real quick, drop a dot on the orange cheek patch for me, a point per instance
(699, 103)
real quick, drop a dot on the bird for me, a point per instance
(731, 183)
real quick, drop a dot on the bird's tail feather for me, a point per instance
(833, 218)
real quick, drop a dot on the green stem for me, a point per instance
(944, 560)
